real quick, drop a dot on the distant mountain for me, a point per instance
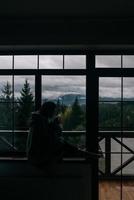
(115, 99)
(68, 99)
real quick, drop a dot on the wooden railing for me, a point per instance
(119, 144)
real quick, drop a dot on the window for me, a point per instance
(26, 81)
(25, 62)
(69, 93)
(50, 62)
(116, 121)
(108, 61)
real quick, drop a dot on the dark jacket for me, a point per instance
(44, 142)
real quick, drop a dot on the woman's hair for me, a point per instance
(48, 109)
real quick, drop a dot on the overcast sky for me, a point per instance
(54, 86)
(111, 87)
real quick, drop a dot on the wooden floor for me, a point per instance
(111, 190)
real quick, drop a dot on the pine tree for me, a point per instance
(73, 117)
(6, 92)
(25, 107)
(6, 107)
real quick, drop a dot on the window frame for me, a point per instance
(38, 73)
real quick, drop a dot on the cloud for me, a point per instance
(111, 87)
(108, 61)
(25, 62)
(58, 85)
(114, 61)
(52, 86)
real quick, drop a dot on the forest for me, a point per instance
(114, 115)
(15, 115)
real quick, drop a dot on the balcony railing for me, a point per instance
(117, 154)
(116, 148)
(13, 142)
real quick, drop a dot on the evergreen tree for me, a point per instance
(6, 107)
(25, 107)
(6, 92)
(74, 117)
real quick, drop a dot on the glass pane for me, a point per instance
(101, 163)
(69, 93)
(115, 145)
(23, 82)
(115, 162)
(75, 62)
(129, 168)
(128, 61)
(110, 89)
(102, 145)
(6, 62)
(108, 61)
(6, 141)
(128, 115)
(24, 98)
(51, 62)
(20, 140)
(128, 89)
(129, 142)
(6, 116)
(6, 91)
(109, 116)
(25, 62)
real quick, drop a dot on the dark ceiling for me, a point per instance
(70, 22)
(93, 9)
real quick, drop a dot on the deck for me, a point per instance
(111, 190)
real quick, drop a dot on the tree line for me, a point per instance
(15, 112)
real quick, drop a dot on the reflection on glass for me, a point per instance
(51, 62)
(69, 93)
(109, 116)
(109, 89)
(128, 89)
(25, 62)
(6, 62)
(6, 91)
(75, 62)
(108, 61)
(128, 61)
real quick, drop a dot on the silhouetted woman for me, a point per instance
(44, 144)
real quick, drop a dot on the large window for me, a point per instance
(28, 81)
(116, 121)
(69, 93)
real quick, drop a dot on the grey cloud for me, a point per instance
(108, 61)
